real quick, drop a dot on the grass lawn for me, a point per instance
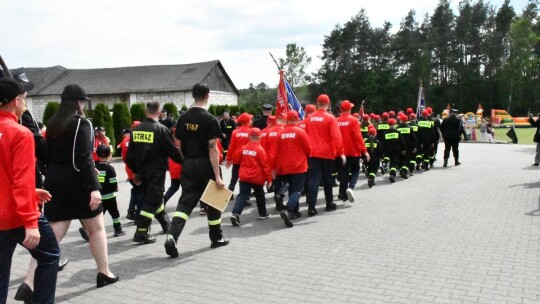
(525, 135)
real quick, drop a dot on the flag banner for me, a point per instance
(361, 111)
(421, 105)
(294, 104)
(281, 102)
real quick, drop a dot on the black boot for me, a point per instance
(456, 161)
(142, 234)
(118, 229)
(164, 221)
(445, 164)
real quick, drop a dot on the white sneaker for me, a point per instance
(350, 195)
(263, 217)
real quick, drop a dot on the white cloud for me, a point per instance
(101, 33)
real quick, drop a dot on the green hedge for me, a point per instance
(137, 111)
(171, 108)
(50, 110)
(121, 119)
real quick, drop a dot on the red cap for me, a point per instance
(282, 115)
(371, 130)
(385, 114)
(366, 117)
(292, 115)
(403, 118)
(430, 110)
(271, 120)
(372, 115)
(356, 115)
(392, 114)
(135, 123)
(425, 113)
(255, 132)
(412, 116)
(324, 99)
(410, 111)
(391, 121)
(244, 118)
(310, 108)
(346, 105)
(377, 118)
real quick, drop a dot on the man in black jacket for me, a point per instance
(227, 126)
(536, 123)
(260, 122)
(151, 145)
(452, 129)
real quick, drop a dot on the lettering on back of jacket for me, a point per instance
(249, 152)
(343, 123)
(242, 134)
(192, 127)
(316, 118)
(288, 135)
(143, 137)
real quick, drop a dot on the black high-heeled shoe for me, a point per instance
(24, 293)
(103, 280)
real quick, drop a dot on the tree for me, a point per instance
(295, 63)
(50, 110)
(121, 120)
(171, 108)
(137, 111)
(102, 117)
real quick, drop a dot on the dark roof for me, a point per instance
(154, 78)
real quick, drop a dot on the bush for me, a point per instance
(171, 108)
(50, 111)
(212, 110)
(121, 119)
(137, 111)
(102, 118)
(184, 108)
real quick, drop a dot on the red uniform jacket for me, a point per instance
(353, 142)
(124, 145)
(269, 143)
(264, 133)
(239, 138)
(175, 169)
(99, 141)
(254, 165)
(324, 136)
(291, 152)
(18, 202)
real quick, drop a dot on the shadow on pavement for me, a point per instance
(535, 212)
(527, 185)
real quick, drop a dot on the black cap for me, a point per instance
(267, 106)
(103, 151)
(74, 92)
(11, 88)
(455, 111)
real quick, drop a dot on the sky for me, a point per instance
(104, 33)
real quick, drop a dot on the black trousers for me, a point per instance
(196, 172)
(153, 186)
(451, 144)
(111, 206)
(234, 177)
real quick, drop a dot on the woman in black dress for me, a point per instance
(72, 180)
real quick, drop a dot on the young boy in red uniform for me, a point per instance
(290, 161)
(353, 148)
(239, 138)
(254, 172)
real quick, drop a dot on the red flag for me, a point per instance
(281, 103)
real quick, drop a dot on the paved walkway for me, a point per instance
(467, 234)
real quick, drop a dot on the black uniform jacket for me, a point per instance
(150, 146)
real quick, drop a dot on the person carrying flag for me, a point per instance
(326, 145)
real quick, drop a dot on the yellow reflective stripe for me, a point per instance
(364, 129)
(404, 130)
(147, 214)
(412, 162)
(112, 180)
(160, 209)
(393, 169)
(424, 124)
(228, 127)
(432, 123)
(108, 196)
(392, 135)
(214, 222)
(383, 127)
(405, 168)
(181, 215)
(368, 145)
(142, 136)
(415, 128)
(372, 174)
(386, 158)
